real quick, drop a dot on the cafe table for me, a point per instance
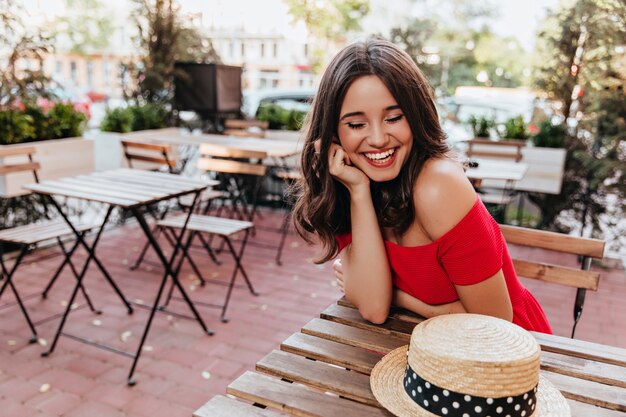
(136, 191)
(324, 369)
(273, 148)
(490, 169)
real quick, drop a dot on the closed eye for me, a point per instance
(356, 125)
(395, 119)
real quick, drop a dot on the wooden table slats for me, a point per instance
(222, 406)
(336, 353)
(348, 335)
(582, 349)
(348, 384)
(45, 188)
(106, 184)
(602, 395)
(151, 178)
(344, 312)
(588, 410)
(301, 401)
(584, 368)
(121, 187)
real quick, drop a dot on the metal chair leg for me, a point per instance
(8, 281)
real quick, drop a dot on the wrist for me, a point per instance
(360, 192)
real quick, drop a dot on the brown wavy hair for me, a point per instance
(322, 204)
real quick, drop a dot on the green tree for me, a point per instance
(86, 25)
(164, 38)
(327, 21)
(21, 44)
(443, 41)
(580, 69)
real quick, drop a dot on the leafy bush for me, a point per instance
(514, 128)
(549, 135)
(132, 118)
(148, 116)
(61, 121)
(481, 126)
(15, 127)
(117, 120)
(65, 122)
(281, 118)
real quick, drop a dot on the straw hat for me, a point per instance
(466, 365)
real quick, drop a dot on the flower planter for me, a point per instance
(57, 158)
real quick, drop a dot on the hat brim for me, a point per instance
(387, 379)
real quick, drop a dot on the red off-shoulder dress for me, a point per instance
(467, 254)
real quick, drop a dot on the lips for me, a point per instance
(380, 159)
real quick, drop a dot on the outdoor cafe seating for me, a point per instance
(27, 237)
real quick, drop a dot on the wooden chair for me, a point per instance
(161, 154)
(27, 237)
(245, 128)
(582, 279)
(150, 153)
(212, 226)
(240, 178)
(500, 149)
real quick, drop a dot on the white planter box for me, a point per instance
(545, 171)
(57, 158)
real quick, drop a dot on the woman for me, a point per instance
(380, 189)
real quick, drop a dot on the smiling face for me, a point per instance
(373, 130)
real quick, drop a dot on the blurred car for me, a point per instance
(290, 99)
(499, 104)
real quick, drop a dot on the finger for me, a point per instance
(335, 159)
(317, 145)
(337, 266)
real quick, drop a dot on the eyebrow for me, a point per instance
(360, 113)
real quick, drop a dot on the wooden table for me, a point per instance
(489, 169)
(274, 148)
(134, 190)
(336, 353)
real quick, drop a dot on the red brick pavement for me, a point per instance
(181, 368)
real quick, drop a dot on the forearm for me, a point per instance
(406, 301)
(367, 281)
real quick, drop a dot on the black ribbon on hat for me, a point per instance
(443, 402)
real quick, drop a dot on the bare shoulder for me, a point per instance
(442, 196)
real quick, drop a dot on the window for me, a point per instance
(74, 72)
(262, 50)
(275, 49)
(90, 74)
(306, 49)
(106, 71)
(243, 50)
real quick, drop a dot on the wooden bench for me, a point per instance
(500, 149)
(582, 279)
(245, 128)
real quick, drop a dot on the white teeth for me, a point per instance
(379, 156)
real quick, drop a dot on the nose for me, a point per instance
(377, 137)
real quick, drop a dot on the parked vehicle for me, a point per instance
(289, 99)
